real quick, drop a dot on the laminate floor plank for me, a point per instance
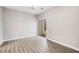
(34, 45)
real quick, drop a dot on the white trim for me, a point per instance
(62, 44)
(22, 38)
(18, 38)
(1, 42)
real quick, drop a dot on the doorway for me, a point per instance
(42, 27)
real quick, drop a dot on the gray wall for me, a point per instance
(1, 31)
(18, 24)
(63, 25)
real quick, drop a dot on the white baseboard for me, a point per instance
(18, 38)
(62, 44)
(1, 42)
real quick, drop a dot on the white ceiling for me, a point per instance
(30, 9)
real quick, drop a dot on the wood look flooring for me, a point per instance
(34, 45)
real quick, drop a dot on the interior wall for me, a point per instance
(63, 25)
(1, 31)
(18, 24)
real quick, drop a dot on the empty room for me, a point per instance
(39, 29)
